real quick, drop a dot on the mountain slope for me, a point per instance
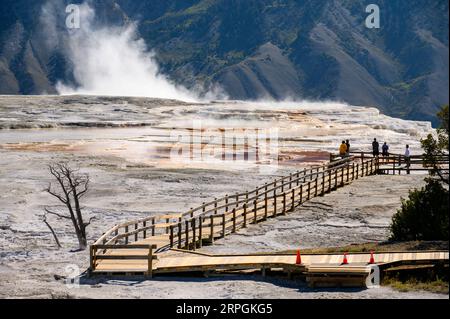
(262, 48)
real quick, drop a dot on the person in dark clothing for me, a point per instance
(385, 149)
(375, 147)
(347, 142)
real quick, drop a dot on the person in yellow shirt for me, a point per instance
(343, 149)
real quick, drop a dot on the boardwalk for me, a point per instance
(146, 246)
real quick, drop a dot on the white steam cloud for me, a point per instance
(114, 61)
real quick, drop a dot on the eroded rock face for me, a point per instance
(254, 49)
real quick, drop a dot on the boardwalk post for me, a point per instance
(215, 206)
(342, 176)
(301, 194)
(309, 190)
(335, 178)
(166, 228)
(284, 203)
(153, 226)
(91, 258)
(171, 236)
(293, 199)
(274, 205)
(329, 181)
(145, 230)
(357, 170)
(297, 178)
(226, 202)
(200, 231)
(179, 235)
(187, 234)
(265, 205)
(212, 228)
(353, 171)
(203, 207)
(348, 172)
(255, 211)
(245, 215)
(393, 166)
(136, 233)
(290, 180)
(223, 225)
(304, 175)
(237, 199)
(234, 220)
(323, 182)
(362, 169)
(150, 261)
(126, 238)
(194, 240)
(315, 187)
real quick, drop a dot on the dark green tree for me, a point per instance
(437, 149)
(424, 215)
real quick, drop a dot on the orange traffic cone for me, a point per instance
(372, 260)
(298, 261)
(345, 261)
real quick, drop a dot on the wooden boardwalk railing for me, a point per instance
(228, 214)
(274, 199)
(141, 239)
(397, 163)
(110, 254)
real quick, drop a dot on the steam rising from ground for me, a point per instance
(114, 61)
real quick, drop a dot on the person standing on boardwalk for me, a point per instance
(342, 149)
(347, 143)
(385, 149)
(375, 148)
(407, 158)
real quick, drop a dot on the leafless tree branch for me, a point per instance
(56, 214)
(44, 219)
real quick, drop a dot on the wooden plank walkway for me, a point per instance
(310, 263)
(142, 246)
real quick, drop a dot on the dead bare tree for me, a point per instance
(71, 187)
(44, 219)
